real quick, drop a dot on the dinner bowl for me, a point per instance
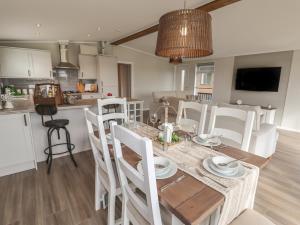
(230, 167)
(161, 165)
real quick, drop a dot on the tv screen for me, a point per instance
(258, 79)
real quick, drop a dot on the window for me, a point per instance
(204, 80)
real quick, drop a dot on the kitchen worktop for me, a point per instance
(25, 106)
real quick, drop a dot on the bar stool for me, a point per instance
(52, 125)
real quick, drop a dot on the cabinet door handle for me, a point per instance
(50, 73)
(25, 120)
(81, 74)
(29, 73)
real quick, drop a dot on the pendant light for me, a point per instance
(184, 33)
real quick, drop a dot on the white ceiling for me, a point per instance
(248, 27)
(75, 19)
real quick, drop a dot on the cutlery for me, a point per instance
(163, 188)
(232, 161)
(202, 175)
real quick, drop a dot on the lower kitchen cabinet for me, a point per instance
(16, 144)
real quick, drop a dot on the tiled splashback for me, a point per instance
(67, 81)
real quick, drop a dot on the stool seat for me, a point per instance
(58, 123)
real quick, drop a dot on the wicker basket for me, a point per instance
(41, 95)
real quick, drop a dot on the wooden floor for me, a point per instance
(66, 197)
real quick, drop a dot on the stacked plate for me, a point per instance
(207, 140)
(224, 166)
(164, 168)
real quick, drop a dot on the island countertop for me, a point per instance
(27, 106)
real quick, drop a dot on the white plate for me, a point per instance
(171, 171)
(224, 172)
(241, 170)
(211, 143)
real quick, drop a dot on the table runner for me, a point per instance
(239, 192)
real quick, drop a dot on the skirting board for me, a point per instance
(17, 168)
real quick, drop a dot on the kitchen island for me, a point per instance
(23, 137)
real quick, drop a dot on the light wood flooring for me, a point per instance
(66, 197)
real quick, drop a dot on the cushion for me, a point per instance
(57, 123)
(251, 217)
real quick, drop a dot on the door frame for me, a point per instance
(131, 76)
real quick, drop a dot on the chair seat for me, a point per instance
(60, 123)
(250, 217)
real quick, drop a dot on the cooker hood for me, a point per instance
(64, 62)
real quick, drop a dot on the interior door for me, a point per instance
(124, 80)
(15, 63)
(41, 64)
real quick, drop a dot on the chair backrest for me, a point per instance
(182, 119)
(145, 182)
(46, 110)
(100, 146)
(122, 102)
(243, 139)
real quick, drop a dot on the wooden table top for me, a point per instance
(190, 200)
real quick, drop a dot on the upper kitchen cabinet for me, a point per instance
(107, 69)
(14, 63)
(88, 67)
(41, 64)
(25, 63)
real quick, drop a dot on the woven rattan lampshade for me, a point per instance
(184, 33)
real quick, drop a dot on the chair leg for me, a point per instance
(99, 191)
(111, 208)
(69, 146)
(125, 219)
(50, 151)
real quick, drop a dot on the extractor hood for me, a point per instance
(64, 62)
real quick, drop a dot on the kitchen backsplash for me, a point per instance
(67, 82)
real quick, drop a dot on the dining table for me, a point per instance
(189, 200)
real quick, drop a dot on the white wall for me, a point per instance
(276, 99)
(291, 115)
(150, 73)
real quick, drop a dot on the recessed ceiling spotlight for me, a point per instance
(89, 35)
(98, 28)
(38, 25)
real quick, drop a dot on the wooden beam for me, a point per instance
(211, 6)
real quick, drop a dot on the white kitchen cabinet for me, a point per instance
(107, 74)
(16, 151)
(14, 63)
(41, 64)
(88, 67)
(25, 63)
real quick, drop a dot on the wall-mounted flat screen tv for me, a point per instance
(258, 79)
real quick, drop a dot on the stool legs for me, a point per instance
(49, 159)
(69, 145)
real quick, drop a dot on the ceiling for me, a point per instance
(245, 27)
(248, 27)
(75, 19)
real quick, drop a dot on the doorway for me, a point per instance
(124, 79)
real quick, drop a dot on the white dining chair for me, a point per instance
(242, 138)
(250, 217)
(134, 209)
(199, 112)
(106, 179)
(116, 103)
